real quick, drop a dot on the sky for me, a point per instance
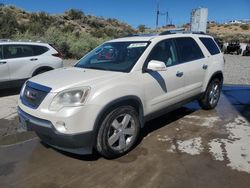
(136, 12)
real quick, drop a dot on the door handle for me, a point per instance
(2, 62)
(33, 59)
(204, 66)
(179, 74)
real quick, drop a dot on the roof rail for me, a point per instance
(142, 35)
(168, 32)
(5, 40)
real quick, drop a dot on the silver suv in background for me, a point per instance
(22, 60)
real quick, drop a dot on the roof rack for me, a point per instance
(5, 40)
(142, 35)
(20, 40)
(169, 32)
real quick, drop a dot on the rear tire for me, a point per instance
(239, 52)
(212, 95)
(119, 132)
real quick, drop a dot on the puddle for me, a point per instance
(18, 138)
(133, 155)
(7, 168)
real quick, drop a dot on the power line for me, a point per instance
(158, 13)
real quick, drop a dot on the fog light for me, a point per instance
(61, 126)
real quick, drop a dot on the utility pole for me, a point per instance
(157, 15)
(166, 18)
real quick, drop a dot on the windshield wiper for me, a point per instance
(93, 67)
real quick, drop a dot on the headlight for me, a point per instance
(69, 98)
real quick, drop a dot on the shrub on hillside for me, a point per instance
(9, 24)
(244, 27)
(141, 28)
(74, 14)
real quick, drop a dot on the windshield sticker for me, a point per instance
(137, 45)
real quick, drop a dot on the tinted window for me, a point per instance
(188, 49)
(15, 51)
(210, 45)
(39, 50)
(164, 51)
(1, 52)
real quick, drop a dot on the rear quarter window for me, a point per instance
(188, 49)
(210, 45)
(39, 50)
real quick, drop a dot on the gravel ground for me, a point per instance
(237, 71)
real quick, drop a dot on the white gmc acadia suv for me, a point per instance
(105, 99)
(22, 60)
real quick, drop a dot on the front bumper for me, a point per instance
(74, 143)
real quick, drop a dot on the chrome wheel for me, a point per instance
(122, 132)
(214, 94)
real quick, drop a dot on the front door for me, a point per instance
(163, 88)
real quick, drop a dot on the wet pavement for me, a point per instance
(188, 147)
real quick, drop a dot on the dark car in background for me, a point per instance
(233, 47)
(246, 52)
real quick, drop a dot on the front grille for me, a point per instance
(34, 94)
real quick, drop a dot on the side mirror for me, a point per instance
(155, 65)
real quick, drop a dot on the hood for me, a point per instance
(65, 78)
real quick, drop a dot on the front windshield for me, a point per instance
(114, 56)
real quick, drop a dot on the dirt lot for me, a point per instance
(185, 148)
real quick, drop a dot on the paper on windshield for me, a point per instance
(137, 45)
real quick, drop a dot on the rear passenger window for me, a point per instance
(16, 51)
(188, 49)
(210, 45)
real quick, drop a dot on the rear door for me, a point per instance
(4, 69)
(194, 64)
(20, 59)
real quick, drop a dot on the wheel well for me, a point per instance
(41, 69)
(217, 75)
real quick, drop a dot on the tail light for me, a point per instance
(58, 55)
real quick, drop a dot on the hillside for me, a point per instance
(228, 32)
(73, 32)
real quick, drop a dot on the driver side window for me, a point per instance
(164, 51)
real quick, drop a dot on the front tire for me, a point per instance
(212, 95)
(118, 132)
